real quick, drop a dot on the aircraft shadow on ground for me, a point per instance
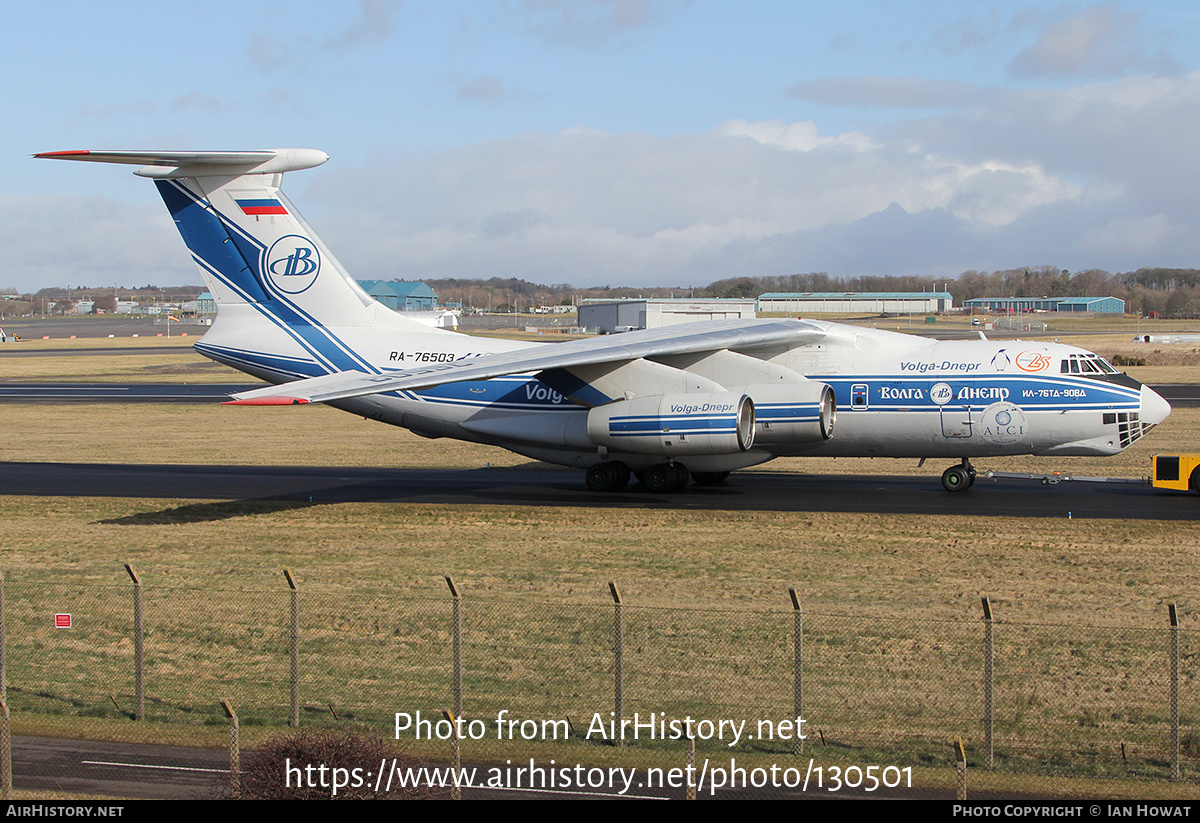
(207, 512)
(241, 491)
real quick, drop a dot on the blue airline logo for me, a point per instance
(293, 264)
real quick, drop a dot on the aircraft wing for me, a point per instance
(736, 335)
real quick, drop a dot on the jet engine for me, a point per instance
(673, 425)
(793, 412)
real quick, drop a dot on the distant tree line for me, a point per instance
(103, 299)
(1168, 292)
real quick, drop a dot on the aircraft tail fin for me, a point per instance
(248, 240)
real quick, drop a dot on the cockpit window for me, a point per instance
(1086, 364)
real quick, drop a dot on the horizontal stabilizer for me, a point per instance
(693, 337)
(174, 164)
(267, 401)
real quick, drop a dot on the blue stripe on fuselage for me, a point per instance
(233, 257)
(1037, 393)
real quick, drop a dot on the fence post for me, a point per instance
(456, 631)
(797, 669)
(960, 792)
(139, 649)
(989, 683)
(6, 789)
(294, 715)
(235, 748)
(691, 769)
(618, 660)
(3, 642)
(1174, 615)
(455, 756)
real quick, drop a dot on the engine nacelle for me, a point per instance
(678, 424)
(793, 412)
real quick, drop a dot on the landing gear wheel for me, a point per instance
(666, 477)
(610, 476)
(710, 478)
(659, 478)
(598, 479)
(956, 479)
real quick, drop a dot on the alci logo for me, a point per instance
(293, 263)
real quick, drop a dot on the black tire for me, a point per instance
(956, 479)
(660, 478)
(599, 479)
(682, 476)
(1194, 481)
(608, 476)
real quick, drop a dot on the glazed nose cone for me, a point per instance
(1154, 408)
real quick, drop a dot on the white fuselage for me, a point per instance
(897, 395)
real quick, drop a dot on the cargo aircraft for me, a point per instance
(671, 405)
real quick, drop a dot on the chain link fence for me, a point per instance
(1039, 704)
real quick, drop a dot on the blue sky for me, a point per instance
(627, 142)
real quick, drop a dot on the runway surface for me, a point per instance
(539, 485)
(87, 767)
(121, 392)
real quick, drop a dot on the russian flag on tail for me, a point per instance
(265, 205)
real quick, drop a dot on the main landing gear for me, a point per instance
(959, 478)
(609, 476)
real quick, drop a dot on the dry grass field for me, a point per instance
(891, 601)
(844, 557)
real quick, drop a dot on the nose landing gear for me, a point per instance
(959, 478)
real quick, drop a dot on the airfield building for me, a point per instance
(401, 296)
(1008, 305)
(609, 316)
(862, 302)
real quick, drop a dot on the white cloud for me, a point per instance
(92, 241)
(588, 22)
(481, 89)
(369, 25)
(801, 136)
(195, 100)
(887, 92)
(1097, 42)
(584, 206)
(1123, 235)
(1089, 176)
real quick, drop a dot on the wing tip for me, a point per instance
(277, 400)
